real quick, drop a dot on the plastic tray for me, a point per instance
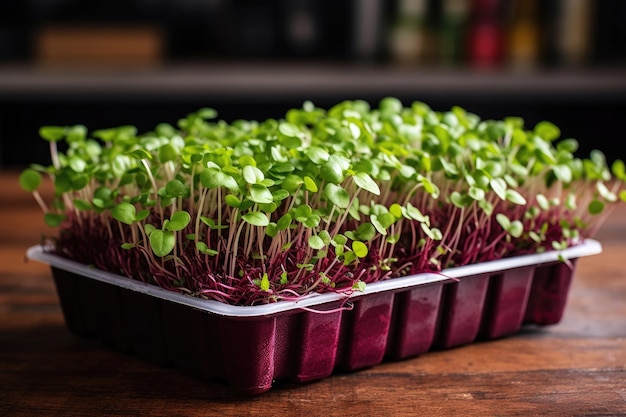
(252, 347)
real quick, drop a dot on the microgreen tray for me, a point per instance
(251, 347)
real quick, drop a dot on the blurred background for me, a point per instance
(105, 63)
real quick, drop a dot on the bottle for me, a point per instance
(452, 29)
(407, 43)
(367, 29)
(485, 35)
(574, 28)
(523, 35)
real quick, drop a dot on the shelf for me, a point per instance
(294, 80)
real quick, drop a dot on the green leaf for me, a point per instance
(392, 105)
(30, 180)
(360, 249)
(52, 133)
(535, 237)
(563, 173)
(178, 221)
(280, 194)
(377, 224)
(516, 229)
(396, 210)
(434, 233)
(414, 213)
(268, 208)
(498, 185)
(359, 286)
(77, 164)
(78, 181)
(481, 177)
(124, 133)
(543, 151)
(203, 248)
(503, 221)
(570, 201)
(349, 257)
(148, 228)
(355, 130)
(386, 219)
(351, 235)
(317, 155)
(325, 237)
(459, 199)
(76, 133)
(142, 214)
(82, 204)
(53, 220)
(288, 130)
(260, 194)
(517, 169)
(476, 193)
(339, 240)
(232, 201)
(312, 221)
(316, 242)
(175, 188)
(271, 229)
(366, 231)
(206, 113)
(542, 201)
(310, 185)
(167, 153)
(486, 206)
(597, 157)
(265, 283)
(515, 197)
(124, 212)
(393, 239)
(256, 218)
(215, 178)
(337, 195)
(568, 145)
(303, 212)
(162, 242)
(430, 187)
(332, 171)
(284, 222)
(547, 131)
(619, 169)
(291, 183)
(363, 180)
(595, 207)
(605, 192)
(208, 221)
(252, 175)
(448, 167)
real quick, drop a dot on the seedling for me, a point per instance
(322, 200)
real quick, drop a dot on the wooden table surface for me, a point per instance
(574, 368)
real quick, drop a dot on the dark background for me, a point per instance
(277, 47)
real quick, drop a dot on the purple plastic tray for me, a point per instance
(252, 347)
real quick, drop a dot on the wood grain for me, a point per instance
(574, 368)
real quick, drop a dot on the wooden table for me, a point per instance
(577, 367)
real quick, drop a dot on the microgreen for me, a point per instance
(322, 200)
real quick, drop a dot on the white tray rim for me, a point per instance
(585, 248)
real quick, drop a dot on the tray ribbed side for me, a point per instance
(414, 321)
(252, 353)
(550, 286)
